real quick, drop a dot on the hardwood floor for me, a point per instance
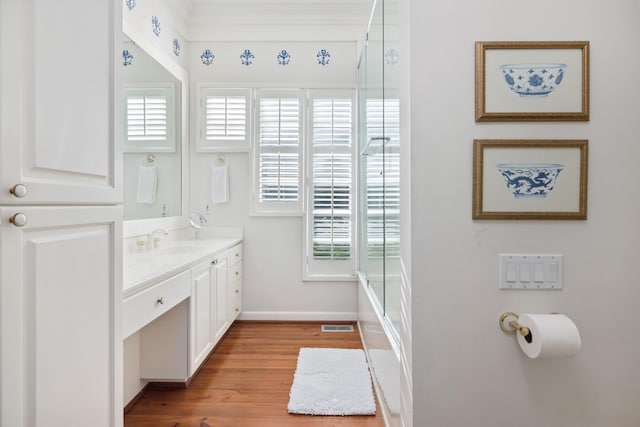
(246, 382)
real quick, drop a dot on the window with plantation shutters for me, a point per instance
(150, 119)
(330, 205)
(224, 120)
(278, 152)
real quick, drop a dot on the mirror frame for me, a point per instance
(138, 227)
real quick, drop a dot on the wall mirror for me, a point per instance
(154, 137)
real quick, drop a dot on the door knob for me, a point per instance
(19, 219)
(19, 190)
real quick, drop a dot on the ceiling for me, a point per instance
(278, 19)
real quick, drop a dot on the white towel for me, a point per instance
(220, 184)
(147, 184)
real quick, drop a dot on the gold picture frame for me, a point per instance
(530, 179)
(532, 81)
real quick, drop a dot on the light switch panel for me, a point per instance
(531, 271)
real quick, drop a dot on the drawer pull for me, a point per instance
(214, 262)
(237, 273)
(19, 190)
(237, 310)
(237, 291)
(19, 219)
(160, 300)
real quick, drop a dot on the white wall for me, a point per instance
(466, 372)
(273, 246)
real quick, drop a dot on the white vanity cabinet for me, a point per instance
(176, 317)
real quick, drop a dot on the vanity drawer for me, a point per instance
(235, 309)
(235, 272)
(143, 308)
(235, 254)
(235, 290)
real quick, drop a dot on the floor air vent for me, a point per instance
(337, 328)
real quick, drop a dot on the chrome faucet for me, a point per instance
(150, 239)
(197, 221)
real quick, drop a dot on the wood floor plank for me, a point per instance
(246, 382)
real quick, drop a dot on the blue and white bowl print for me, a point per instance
(533, 79)
(530, 180)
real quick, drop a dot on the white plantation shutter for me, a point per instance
(150, 119)
(146, 117)
(278, 152)
(330, 208)
(224, 119)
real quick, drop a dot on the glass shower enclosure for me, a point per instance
(379, 162)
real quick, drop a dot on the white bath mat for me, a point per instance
(331, 381)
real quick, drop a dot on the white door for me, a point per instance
(60, 317)
(219, 274)
(202, 321)
(58, 118)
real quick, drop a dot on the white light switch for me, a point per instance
(538, 272)
(525, 272)
(531, 271)
(552, 272)
(511, 272)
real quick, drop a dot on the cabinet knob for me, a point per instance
(237, 273)
(19, 219)
(237, 291)
(160, 300)
(18, 190)
(214, 262)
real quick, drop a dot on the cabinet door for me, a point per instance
(220, 297)
(60, 110)
(202, 321)
(60, 317)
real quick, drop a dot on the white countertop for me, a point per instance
(144, 269)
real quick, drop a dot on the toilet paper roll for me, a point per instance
(551, 335)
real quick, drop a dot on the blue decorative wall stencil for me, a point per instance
(533, 80)
(534, 180)
(247, 57)
(207, 57)
(155, 25)
(391, 57)
(284, 57)
(323, 57)
(127, 58)
(130, 4)
(176, 47)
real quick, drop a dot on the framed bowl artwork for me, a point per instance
(530, 179)
(532, 81)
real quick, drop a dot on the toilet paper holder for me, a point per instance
(524, 331)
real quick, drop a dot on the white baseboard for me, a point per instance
(299, 316)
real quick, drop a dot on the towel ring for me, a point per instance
(221, 158)
(151, 158)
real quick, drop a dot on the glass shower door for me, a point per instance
(371, 161)
(379, 161)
